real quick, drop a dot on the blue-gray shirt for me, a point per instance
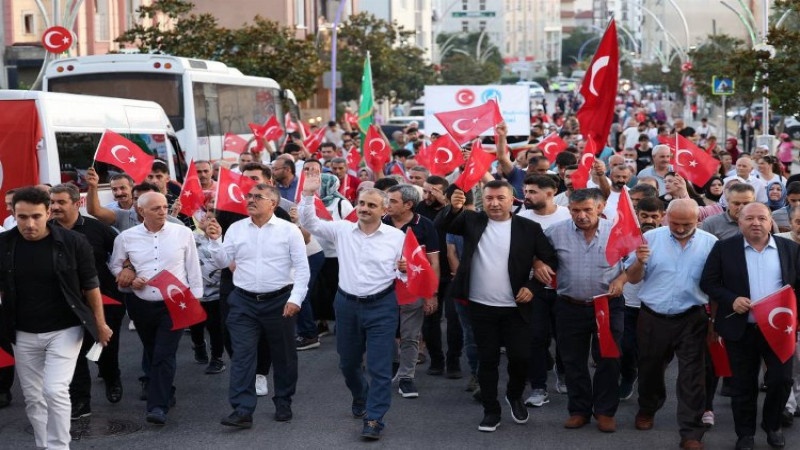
(583, 271)
(671, 283)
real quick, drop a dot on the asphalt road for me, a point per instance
(444, 416)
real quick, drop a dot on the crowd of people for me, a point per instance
(520, 259)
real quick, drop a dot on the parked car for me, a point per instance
(536, 89)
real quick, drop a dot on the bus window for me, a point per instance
(222, 108)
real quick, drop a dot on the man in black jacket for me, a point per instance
(50, 295)
(494, 274)
(738, 271)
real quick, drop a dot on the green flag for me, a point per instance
(367, 103)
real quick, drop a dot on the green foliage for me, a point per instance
(572, 44)
(463, 62)
(784, 69)
(723, 55)
(652, 74)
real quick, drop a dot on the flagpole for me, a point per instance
(216, 193)
(94, 158)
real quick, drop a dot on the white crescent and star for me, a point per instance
(416, 250)
(446, 150)
(585, 157)
(775, 312)
(268, 131)
(464, 97)
(596, 67)
(678, 157)
(232, 195)
(50, 34)
(117, 148)
(546, 147)
(381, 141)
(460, 130)
(170, 289)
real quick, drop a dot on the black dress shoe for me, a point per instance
(5, 399)
(774, 437)
(238, 420)
(745, 443)
(787, 419)
(283, 412)
(114, 390)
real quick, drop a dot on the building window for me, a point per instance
(101, 21)
(465, 26)
(28, 24)
(482, 25)
(300, 13)
(464, 5)
(482, 5)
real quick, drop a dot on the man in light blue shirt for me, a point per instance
(673, 320)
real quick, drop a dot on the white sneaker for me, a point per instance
(538, 398)
(708, 418)
(561, 384)
(262, 388)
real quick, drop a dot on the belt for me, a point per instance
(265, 296)
(672, 316)
(367, 298)
(575, 301)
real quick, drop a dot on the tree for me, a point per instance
(263, 48)
(572, 45)
(464, 62)
(397, 64)
(783, 70)
(652, 74)
(724, 56)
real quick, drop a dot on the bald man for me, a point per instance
(673, 319)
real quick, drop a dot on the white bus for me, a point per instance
(203, 99)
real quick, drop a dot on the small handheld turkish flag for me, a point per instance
(110, 301)
(320, 209)
(234, 143)
(353, 159)
(270, 131)
(183, 307)
(719, 358)
(466, 124)
(6, 360)
(551, 146)
(475, 168)
(192, 197)
(120, 152)
(447, 156)
(580, 178)
(626, 236)
(314, 140)
(353, 216)
(424, 155)
(422, 282)
(231, 189)
(691, 162)
(377, 151)
(397, 170)
(608, 348)
(776, 316)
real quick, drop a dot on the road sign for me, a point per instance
(722, 86)
(57, 39)
(473, 14)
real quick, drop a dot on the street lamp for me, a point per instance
(744, 21)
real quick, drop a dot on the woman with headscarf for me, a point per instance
(335, 203)
(712, 191)
(731, 146)
(776, 195)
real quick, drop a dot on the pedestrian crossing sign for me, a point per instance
(722, 86)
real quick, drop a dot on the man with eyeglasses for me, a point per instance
(259, 304)
(284, 172)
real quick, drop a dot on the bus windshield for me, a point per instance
(164, 89)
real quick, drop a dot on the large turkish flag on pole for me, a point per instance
(183, 307)
(231, 189)
(776, 315)
(599, 88)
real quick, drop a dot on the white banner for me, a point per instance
(514, 105)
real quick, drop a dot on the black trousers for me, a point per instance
(661, 339)
(432, 330)
(576, 327)
(494, 327)
(214, 326)
(264, 360)
(6, 373)
(543, 329)
(629, 361)
(80, 389)
(324, 290)
(745, 356)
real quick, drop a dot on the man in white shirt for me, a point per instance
(366, 307)
(620, 176)
(151, 247)
(271, 280)
(744, 173)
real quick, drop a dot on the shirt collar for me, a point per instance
(770, 243)
(272, 220)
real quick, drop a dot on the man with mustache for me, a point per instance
(620, 177)
(673, 321)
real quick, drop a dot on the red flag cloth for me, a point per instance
(551, 146)
(270, 131)
(291, 126)
(466, 124)
(19, 135)
(301, 182)
(231, 189)
(404, 296)
(125, 155)
(183, 307)
(626, 236)
(580, 177)
(424, 156)
(475, 168)
(447, 156)
(192, 197)
(234, 143)
(422, 282)
(353, 159)
(6, 360)
(719, 358)
(352, 119)
(397, 170)
(313, 141)
(776, 316)
(109, 301)
(599, 89)
(321, 210)
(692, 162)
(353, 216)
(608, 348)
(377, 151)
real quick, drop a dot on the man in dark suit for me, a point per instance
(738, 271)
(494, 274)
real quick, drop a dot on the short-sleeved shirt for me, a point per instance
(722, 226)
(424, 231)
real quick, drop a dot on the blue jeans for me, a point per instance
(305, 318)
(367, 327)
(470, 349)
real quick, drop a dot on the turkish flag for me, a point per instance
(692, 162)
(475, 168)
(231, 189)
(125, 155)
(424, 156)
(719, 358)
(447, 156)
(377, 151)
(235, 144)
(608, 348)
(776, 316)
(270, 131)
(183, 307)
(353, 216)
(110, 301)
(397, 170)
(291, 126)
(320, 209)
(551, 146)
(301, 182)
(352, 119)
(580, 177)
(353, 159)
(192, 197)
(626, 236)
(422, 282)
(6, 360)
(314, 140)
(465, 125)
(599, 88)
(20, 134)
